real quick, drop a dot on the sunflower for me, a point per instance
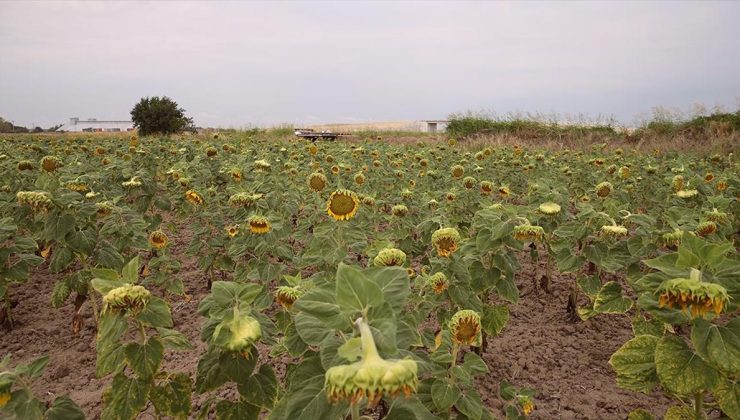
(342, 205)
(686, 194)
(259, 224)
(211, 151)
(128, 297)
(399, 210)
(486, 187)
(232, 230)
(51, 163)
(438, 282)
(194, 197)
(390, 257)
(693, 293)
(37, 200)
(465, 327)
(313, 150)
(549, 208)
(25, 165)
(721, 186)
(446, 241)
(504, 191)
(335, 169)
(717, 216)
(317, 182)
(359, 178)
(677, 183)
(528, 233)
(709, 177)
(614, 231)
(286, 296)
(450, 196)
(527, 405)
(469, 182)
(624, 172)
(158, 239)
(457, 171)
(706, 228)
(368, 201)
(236, 175)
(603, 189)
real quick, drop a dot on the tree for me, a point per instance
(157, 115)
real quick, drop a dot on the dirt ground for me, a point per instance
(566, 362)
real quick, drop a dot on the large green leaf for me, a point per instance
(393, 282)
(719, 345)
(354, 291)
(409, 409)
(227, 410)
(640, 414)
(261, 388)
(470, 404)
(634, 364)
(727, 394)
(609, 300)
(63, 408)
(172, 396)
(156, 313)
(680, 369)
(444, 394)
(494, 319)
(127, 397)
(144, 359)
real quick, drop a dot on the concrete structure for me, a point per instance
(432, 126)
(93, 125)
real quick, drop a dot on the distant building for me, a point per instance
(93, 125)
(432, 126)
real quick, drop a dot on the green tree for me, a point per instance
(157, 115)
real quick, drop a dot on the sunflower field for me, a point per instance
(362, 279)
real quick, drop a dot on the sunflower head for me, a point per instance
(76, 186)
(457, 171)
(211, 151)
(603, 189)
(37, 200)
(686, 194)
(399, 210)
(504, 191)
(677, 183)
(342, 205)
(624, 172)
(528, 233)
(706, 228)
(717, 216)
(232, 230)
(50, 163)
(259, 224)
(25, 165)
(313, 150)
(709, 177)
(372, 377)
(469, 182)
(672, 239)
(103, 209)
(128, 297)
(4, 398)
(359, 178)
(134, 182)
(243, 199)
(486, 187)
(287, 295)
(368, 201)
(158, 239)
(432, 204)
(446, 241)
(692, 293)
(721, 186)
(236, 174)
(526, 403)
(465, 327)
(194, 197)
(317, 182)
(438, 282)
(614, 231)
(237, 332)
(390, 257)
(549, 208)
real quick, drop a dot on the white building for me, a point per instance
(94, 125)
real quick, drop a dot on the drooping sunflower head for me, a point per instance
(438, 282)
(37, 200)
(432, 204)
(259, 224)
(50, 163)
(721, 186)
(614, 231)
(716, 216)
(194, 197)
(446, 241)
(372, 377)
(232, 230)
(317, 182)
(103, 209)
(486, 187)
(287, 295)
(158, 239)
(549, 208)
(469, 182)
(465, 327)
(313, 150)
(677, 183)
(261, 165)
(687, 194)
(129, 297)
(528, 233)
(237, 332)
(407, 193)
(709, 177)
(243, 199)
(390, 257)
(211, 151)
(359, 178)
(504, 191)
(450, 196)
(368, 201)
(672, 239)
(78, 186)
(399, 210)
(457, 171)
(611, 169)
(603, 189)
(342, 205)
(624, 172)
(25, 165)
(134, 182)
(699, 296)
(236, 174)
(706, 228)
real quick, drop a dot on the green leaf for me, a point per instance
(127, 397)
(173, 339)
(470, 404)
(311, 330)
(351, 350)
(718, 345)
(681, 370)
(609, 300)
(494, 319)
(61, 258)
(36, 368)
(507, 289)
(474, 364)
(590, 286)
(727, 394)
(144, 359)
(82, 241)
(24, 406)
(667, 264)
(261, 388)
(209, 374)
(642, 326)
(354, 291)
(444, 394)
(63, 408)
(393, 282)
(130, 271)
(640, 414)
(156, 313)
(172, 396)
(409, 409)
(679, 412)
(634, 364)
(227, 410)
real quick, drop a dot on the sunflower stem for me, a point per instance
(369, 350)
(699, 405)
(355, 411)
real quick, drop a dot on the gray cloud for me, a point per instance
(233, 64)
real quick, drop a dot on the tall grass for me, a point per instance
(530, 126)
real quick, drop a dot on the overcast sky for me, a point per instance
(237, 63)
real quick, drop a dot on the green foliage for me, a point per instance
(157, 115)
